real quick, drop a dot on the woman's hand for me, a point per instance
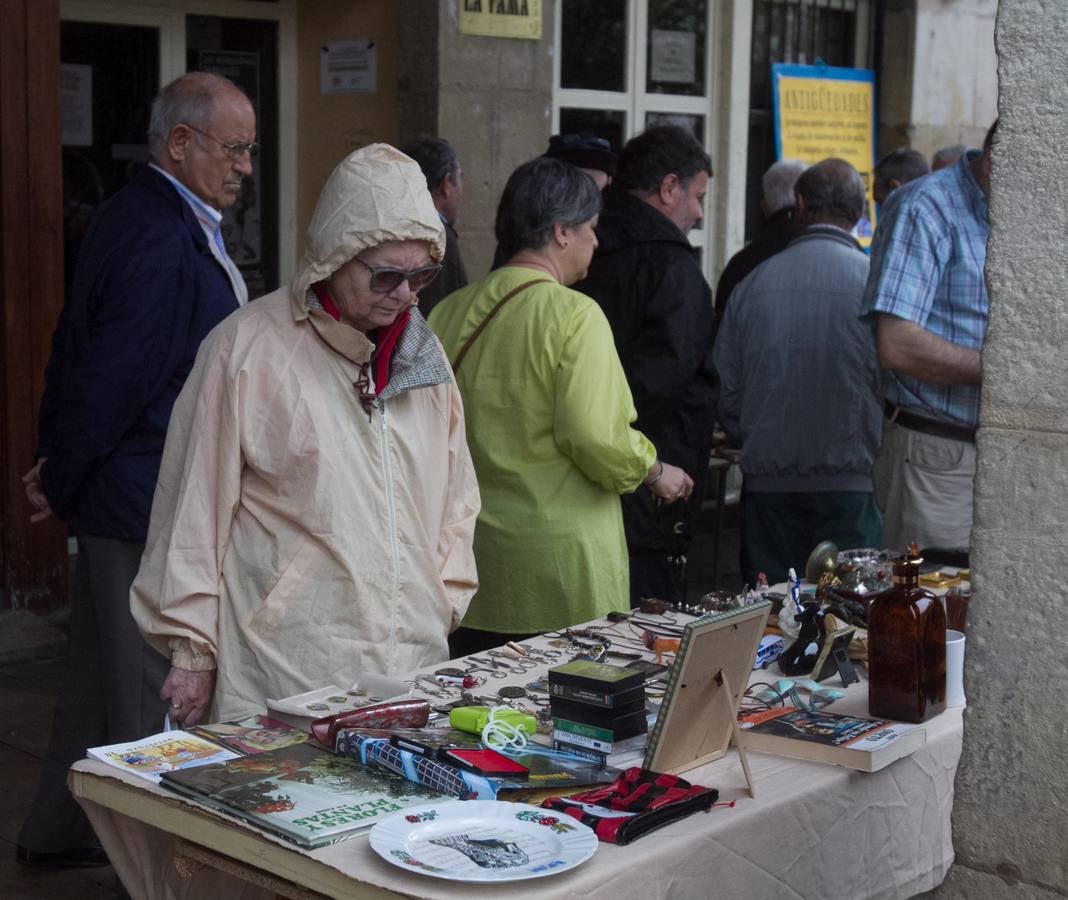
(674, 484)
(189, 693)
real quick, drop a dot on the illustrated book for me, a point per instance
(305, 795)
(251, 735)
(150, 757)
(820, 736)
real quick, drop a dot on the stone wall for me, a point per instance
(493, 103)
(1010, 818)
(938, 82)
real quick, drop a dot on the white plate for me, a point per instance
(483, 840)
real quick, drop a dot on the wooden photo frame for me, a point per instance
(699, 713)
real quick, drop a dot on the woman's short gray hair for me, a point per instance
(540, 194)
(187, 99)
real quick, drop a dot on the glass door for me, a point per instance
(116, 55)
(625, 65)
(102, 136)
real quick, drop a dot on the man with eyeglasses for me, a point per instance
(153, 278)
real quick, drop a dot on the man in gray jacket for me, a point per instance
(799, 385)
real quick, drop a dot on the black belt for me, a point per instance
(928, 426)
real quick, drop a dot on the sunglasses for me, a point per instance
(388, 278)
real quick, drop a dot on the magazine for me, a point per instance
(251, 735)
(150, 757)
(300, 793)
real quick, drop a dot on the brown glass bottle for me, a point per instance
(906, 648)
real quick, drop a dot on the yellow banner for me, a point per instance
(501, 18)
(823, 117)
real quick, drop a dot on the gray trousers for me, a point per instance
(110, 690)
(924, 485)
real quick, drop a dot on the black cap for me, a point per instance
(584, 151)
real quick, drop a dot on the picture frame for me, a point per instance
(699, 714)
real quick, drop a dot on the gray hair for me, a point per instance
(832, 190)
(902, 165)
(188, 99)
(948, 155)
(778, 184)
(540, 194)
(436, 158)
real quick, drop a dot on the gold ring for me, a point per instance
(176, 706)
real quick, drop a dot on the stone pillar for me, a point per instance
(1010, 817)
(491, 98)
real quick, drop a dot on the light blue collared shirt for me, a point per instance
(927, 267)
(210, 220)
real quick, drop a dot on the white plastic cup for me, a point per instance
(954, 668)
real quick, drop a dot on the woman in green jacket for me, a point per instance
(549, 418)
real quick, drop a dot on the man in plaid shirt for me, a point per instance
(927, 297)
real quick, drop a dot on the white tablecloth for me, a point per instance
(813, 831)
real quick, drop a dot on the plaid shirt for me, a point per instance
(927, 267)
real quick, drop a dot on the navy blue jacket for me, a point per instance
(146, 291)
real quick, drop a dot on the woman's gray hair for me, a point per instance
(188, 99)
(540, 194)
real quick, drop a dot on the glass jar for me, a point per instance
(906, 648)
(957, 600)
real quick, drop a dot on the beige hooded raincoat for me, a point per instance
(297, 540)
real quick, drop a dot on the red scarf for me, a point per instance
(385, 339)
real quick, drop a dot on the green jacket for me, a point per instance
(549, 418)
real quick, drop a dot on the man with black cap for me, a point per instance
(591, 154)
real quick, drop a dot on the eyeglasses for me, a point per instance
(233, 150)
(388, 278)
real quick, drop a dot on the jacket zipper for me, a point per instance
(391, 507)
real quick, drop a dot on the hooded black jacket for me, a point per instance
(646, 278)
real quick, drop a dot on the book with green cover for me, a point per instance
(300, 793)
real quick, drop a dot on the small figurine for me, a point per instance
(800, 657)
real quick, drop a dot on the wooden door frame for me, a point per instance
(33, 558)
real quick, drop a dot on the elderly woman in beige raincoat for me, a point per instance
(316, 503)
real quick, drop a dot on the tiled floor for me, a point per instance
(27, 697)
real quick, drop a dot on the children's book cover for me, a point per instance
(152, 756)
(303, 794)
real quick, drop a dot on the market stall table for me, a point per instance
(813, 830)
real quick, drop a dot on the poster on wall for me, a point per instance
(76, 104)
(241, 225)
(348, 67)
(501, 18)
(823, 111)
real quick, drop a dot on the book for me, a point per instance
(302, 794)
(251, 735)
(820, 736)
(150, 757)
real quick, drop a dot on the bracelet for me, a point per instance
(659, 474)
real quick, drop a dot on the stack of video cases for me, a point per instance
(598, 710)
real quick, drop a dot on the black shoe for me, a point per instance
(83, 858)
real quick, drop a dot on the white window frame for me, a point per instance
(169, 17)
(635, 102)
(725, 107)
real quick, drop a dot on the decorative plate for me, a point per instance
(482, 840)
